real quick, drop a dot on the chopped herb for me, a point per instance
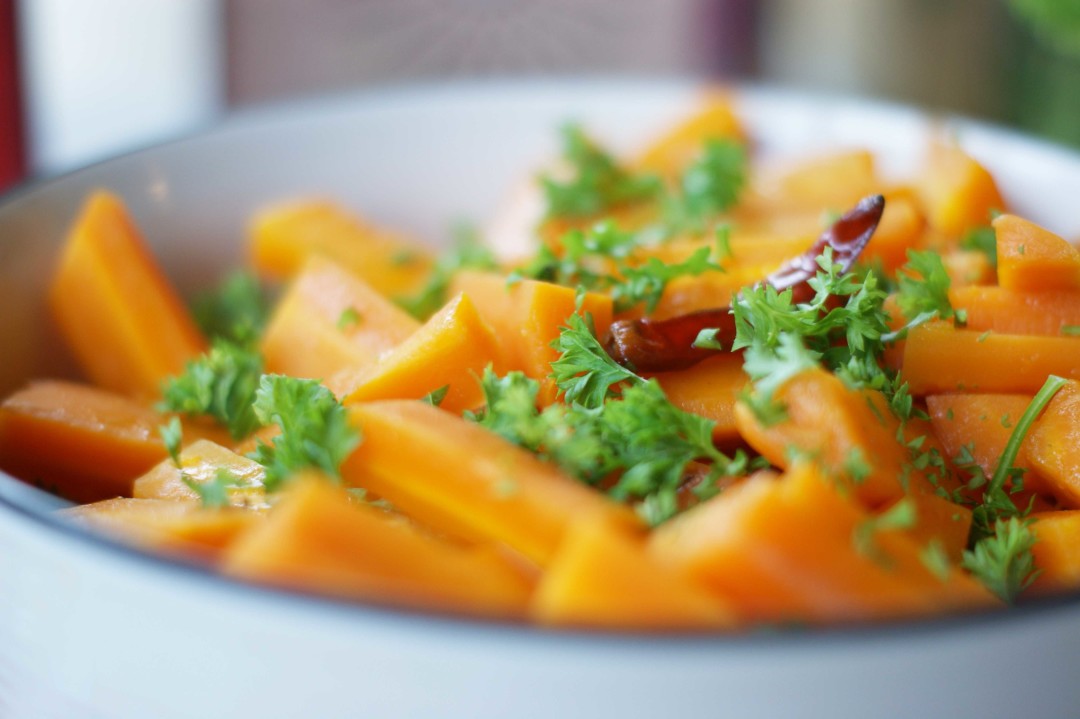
(221, 384)
(924, 288)
(315, 429)
(706, 339)
(348, 318)
(172, 434)
(236, 311)
(435, 397)
(934, 558)
(214, 494)
(901, 515)
(710, 185)
(646, 283)
(723, 243)
(1005, 421)
(856, 467)
(981, 239)
(1021, 249)
(584, 372)
(596, 183)
(982, 338)
(1071, 330)
(1003, 561)
(403, 258)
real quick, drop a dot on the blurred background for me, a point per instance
(83, 79)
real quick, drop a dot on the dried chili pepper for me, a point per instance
(660, 345)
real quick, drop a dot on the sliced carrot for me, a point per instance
(710, 389)
(450, 350)
(330, 320)
(201, 461)
(788, 550)
(957, 192)
(431, 462)
(120, 316)
(1057, 535)
(1033, 259)
(283, 237)
(80, 442)
(981, 424)
(1052, 445)
(603, 577)
(528, 315)
(670, 153)
(1051, 313)
(832, 182)
(940, 359)
(165, 525)
(315, 538)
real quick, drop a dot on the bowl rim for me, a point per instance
(28, 502)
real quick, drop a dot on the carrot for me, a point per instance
(317, 539)
(602, 577)
(330, 320)
(1057, 535)
(120, 316)
(1050, 313)
(939, 359)
(83, 443)
(956, 191)
(201, 461)
(527, 315)
(450, 350)
(672, 151)
(457, 473)
(709, 389)
(283, 237)
(1053, 445)
(1033, 259)
(787, 550)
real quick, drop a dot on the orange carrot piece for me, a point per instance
(1050, 313)
(120, 316)
(787, 550)
(835, 181)
(1057, 535)
(670, 153)
(840, 427)
(981, 423)
(450, 350)
(1033, 259)
(283, 237)
(710, 389)
(330, 320)
(527, 316)
(1053, 445)
(899, 230)
(602, 577)
(316, 538)
(957, 192)
(940, 359)
(165, 525)
(458, 473)
(201, 461)
(81, 442)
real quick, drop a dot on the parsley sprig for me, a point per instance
(236, 311)
(466, 252)
(220, 384)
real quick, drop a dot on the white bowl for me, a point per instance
(89, 628)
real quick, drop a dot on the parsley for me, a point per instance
(1003, 561)
(436, 396)
(645, 284)
(214, 494)
(1070, 330)
(710, 185)
(707, 340)
(924, 289)
(639, 446)
(981, 239)
(220, 384)
(237, 311)
(901, 515)
(172, 434)
(348, 318)
(315, 428)
(584, 372)
(934, 558)
(466, 252)
(769, 369)
(596, 183)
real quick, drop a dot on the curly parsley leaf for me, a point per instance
(584, 372)
(982, 239)
(214, 493)
(220, 384)
(1003, 561)
(466, 252)
(710, 186)
(315, 428)
(645, 284)
(597, 182)
(924, 289)
(237, 311)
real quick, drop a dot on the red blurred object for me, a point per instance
(12, 155)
